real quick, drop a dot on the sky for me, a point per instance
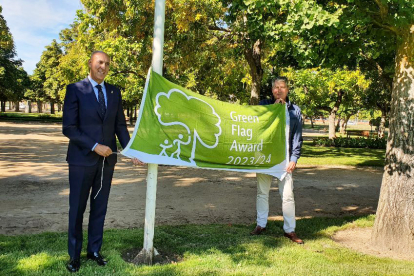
(35, 23)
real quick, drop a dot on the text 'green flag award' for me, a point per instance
(178, 127)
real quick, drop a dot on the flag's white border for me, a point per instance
(278, 170)
(128, 147)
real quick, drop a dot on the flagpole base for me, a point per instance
(146, 257)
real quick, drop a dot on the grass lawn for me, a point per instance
(312, 155)
(208, 250)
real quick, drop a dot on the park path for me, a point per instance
(34, 188)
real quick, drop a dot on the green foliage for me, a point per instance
(13, 79)
(124, 31)
(377, 121)
(209, 45)
(371, 143)
(48, 79)
(44, 116)
(270, 34)
(29, 117)
(318, 90)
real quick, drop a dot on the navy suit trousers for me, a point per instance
(83, 180)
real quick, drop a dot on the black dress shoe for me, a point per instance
(96, 257)
(73, 265)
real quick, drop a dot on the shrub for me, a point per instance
(360, 142)
(17, 116)
(44, 116)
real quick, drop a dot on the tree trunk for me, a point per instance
(52, 107)
(10, 105)
(338, 124)
(16, 106)
(394, 222)
(344, 123)
(381, 127)
(253, 57)
(311, 120)
(39, 106)
(331, 122)
(129, 115)
(332, 115)
(28, 108)
(59, 107)
(342, 126)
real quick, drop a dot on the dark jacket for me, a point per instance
(84, 125)
(295, 129)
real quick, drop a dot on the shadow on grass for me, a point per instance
(46, 253)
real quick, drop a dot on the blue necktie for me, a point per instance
(101, 100)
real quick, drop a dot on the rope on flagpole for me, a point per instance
(103, 165)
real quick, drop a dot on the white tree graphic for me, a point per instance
(208, 139)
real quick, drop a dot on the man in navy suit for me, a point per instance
(92, 116)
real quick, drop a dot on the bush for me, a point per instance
(340, 142)
(42, 117)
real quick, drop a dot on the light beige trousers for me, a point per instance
(288, 201)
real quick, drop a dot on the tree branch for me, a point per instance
(217, 28)
(376, 65)
(326, 108)
(383, 9)
(373, 63)
(390, 28)
(129, 72)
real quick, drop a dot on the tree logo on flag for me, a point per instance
(185, 128)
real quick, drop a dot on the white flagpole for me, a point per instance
(147, 253)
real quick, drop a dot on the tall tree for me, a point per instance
(47, 78)
(21, 82)
(36, 92)
(383, 31)
(231, 40)
(394, 223)
(265, 31)
(324, 89)
(10, 67)
(378, 96)
(53, 85)
(123, 30)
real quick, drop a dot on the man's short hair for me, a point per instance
(99, 52)
(280, 78)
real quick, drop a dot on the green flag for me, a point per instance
(178, 127)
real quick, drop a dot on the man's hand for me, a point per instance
(137, 162)
(291, 167)
(281, 101)
(103, 150)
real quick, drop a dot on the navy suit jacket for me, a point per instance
(84, 125)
